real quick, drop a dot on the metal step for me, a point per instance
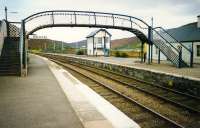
(10, 57)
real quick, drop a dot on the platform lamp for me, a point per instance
(6, 13)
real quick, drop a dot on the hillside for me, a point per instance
(79, 44)
(48, 45)
(125, 43)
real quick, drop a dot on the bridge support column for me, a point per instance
(180, 58)
(158, 56)
(142, 53)
(23, 50)
(191, 55)
(150, 44)
(151, 52)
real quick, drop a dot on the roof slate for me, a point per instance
(96, 31)
(186, 33)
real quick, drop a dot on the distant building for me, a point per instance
(189, 36)
(98, 43)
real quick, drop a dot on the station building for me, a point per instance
(189, 36)
(99, 43)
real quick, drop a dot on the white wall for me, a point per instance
(90, 46)
(185, 53)
(3, 34)
(108, 43)
(196, 58)
(99, 50)
(155, 54)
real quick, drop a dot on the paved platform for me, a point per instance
(164, 67)
(36, 101)
(92, 109)
(50, 97)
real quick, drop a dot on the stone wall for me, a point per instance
(173, 82)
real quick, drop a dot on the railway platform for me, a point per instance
(50, 97)
(165, 67)
(186, 80)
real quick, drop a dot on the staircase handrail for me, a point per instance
(166, 41)
(173, 38)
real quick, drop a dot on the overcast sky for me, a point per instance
(166, 13)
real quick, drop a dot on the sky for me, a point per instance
(166, 13)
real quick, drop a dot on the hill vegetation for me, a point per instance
(129, 44)
(47, 45)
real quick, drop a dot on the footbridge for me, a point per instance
(158, 36)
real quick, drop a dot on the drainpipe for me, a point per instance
(191, 55)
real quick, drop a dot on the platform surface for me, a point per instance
(50, 97)
(164, 67)
(36, 101)
(92, 109)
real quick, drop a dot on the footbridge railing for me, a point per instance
(65, 18)
(60, 18)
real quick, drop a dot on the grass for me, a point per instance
(131, 46)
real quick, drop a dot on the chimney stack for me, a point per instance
(198, 21)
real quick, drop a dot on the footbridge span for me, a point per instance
(64, 18)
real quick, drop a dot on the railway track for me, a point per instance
(162, 119)
(189, 102)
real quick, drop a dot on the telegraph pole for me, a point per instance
(6, 13)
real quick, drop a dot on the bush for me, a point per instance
(80, 52)
(117, 54)
(123, 54)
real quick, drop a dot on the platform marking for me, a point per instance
(84, 99)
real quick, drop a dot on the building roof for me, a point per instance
(92, 34)
(186, 33)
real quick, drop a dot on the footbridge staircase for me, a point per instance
(9, 49)
(172, 48)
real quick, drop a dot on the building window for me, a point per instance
(198, 50)
(99, 40)
(106, 39)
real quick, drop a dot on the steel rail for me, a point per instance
(124, 96)
(148, 92)
(126, 76)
